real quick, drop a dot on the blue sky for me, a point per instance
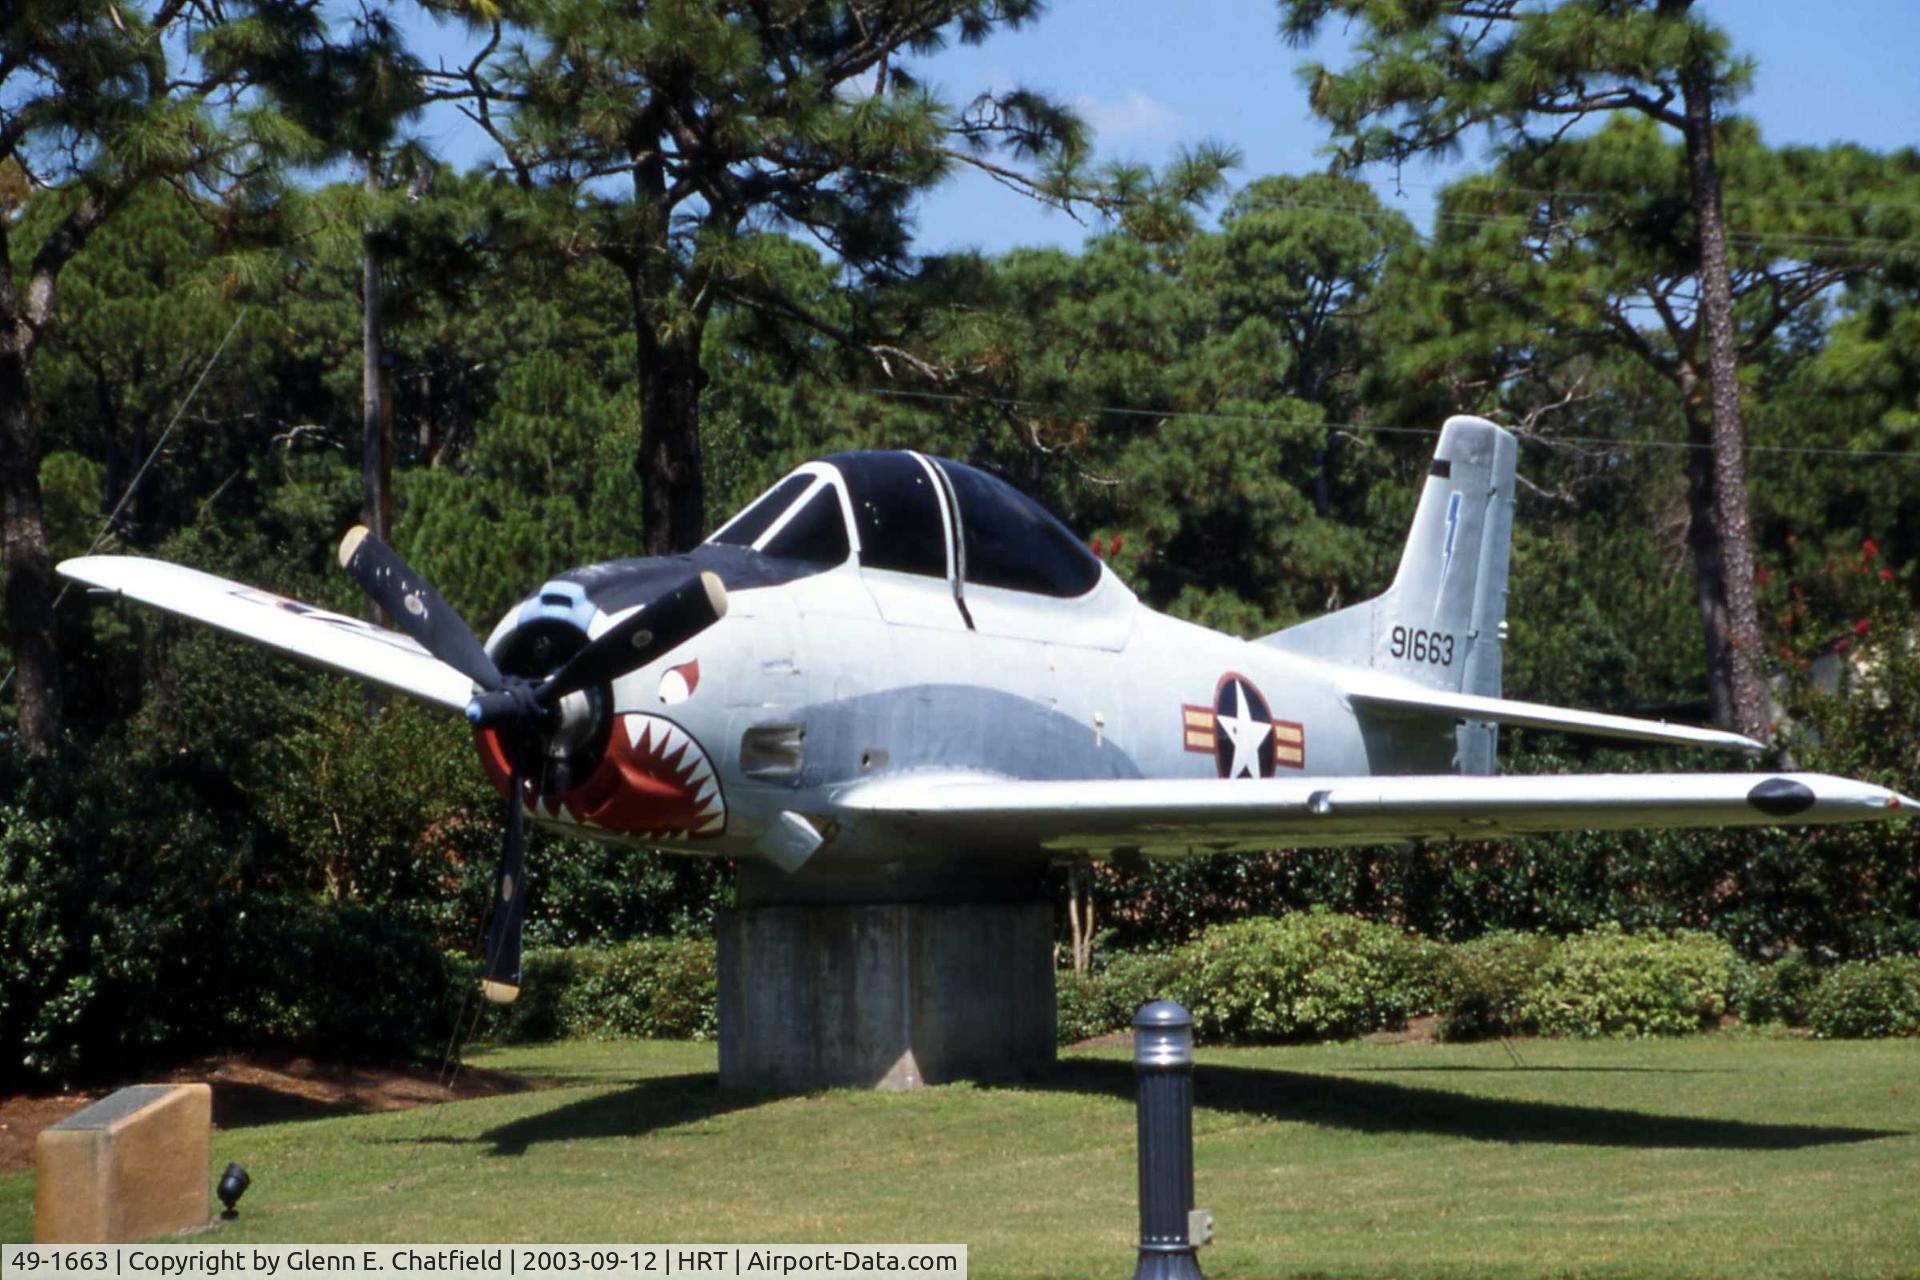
(1153, 74)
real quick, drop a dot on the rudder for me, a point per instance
(1443, 621)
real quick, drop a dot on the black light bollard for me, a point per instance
(1163, 1063)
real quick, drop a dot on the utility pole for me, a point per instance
(376, 410)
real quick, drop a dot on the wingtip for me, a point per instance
(351, 543)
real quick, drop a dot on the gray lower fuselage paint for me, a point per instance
(879, 683)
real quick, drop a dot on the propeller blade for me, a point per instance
(501, 981)
(658, 626)
(415, 606)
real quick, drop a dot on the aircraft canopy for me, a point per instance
(920, 515)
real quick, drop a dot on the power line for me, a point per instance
(1865, 206)
(127, 495)
(1813, 244)
(1366, 428)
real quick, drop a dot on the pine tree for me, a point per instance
(722, 119)
(1426, 76)
(94, 105)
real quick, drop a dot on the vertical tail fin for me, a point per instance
(1442, 621)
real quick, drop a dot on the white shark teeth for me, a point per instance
(673, 751)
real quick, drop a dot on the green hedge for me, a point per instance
(1318, 975)
(109, 961)
(656, 988)
(1313, 975)
(1778, 994)
(1485, 985)
(1862, 999)
(1607, 982)
(1093, 1004)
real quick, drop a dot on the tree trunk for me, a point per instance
(29, 571)
(672, 482)
(1080, 918)
(667, 338)
(1709, 564)
(1728, 607)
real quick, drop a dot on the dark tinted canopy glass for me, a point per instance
(756, 519)
(1012, 542)
(816, 533)
(897, 512)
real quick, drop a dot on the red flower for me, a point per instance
(1113, 552)
(1861, 627)
(1842, 645)
(1099, 547)
(1762, 577)
(1869, 549)
(1886, 575)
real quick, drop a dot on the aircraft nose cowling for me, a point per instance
(654, 780)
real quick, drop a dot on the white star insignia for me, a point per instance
(1245, 733)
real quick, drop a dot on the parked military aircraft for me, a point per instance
(889, 661)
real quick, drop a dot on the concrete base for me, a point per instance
(130, 1167)
(884, 995)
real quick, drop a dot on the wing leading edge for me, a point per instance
(1209, 815)
(315, 635)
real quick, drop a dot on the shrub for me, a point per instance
(1863, 998)
(656, 988)
(1484, 985)
(1781, 992)
(1610, 983)
(1308, 976)
(1080, 1006)
(1093, 1004)
(333, 978)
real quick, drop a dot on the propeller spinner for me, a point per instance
(531, 713)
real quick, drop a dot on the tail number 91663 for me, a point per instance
(1432, 647)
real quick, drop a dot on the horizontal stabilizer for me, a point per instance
(1371, 691)
(315, 635)
(1179, 815)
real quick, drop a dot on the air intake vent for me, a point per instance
(772, 751)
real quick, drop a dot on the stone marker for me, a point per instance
(131, 1166)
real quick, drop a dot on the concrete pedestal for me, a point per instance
(888, 995)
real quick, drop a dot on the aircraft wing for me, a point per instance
(315, 635)
(1369, 690)
(1211, 814)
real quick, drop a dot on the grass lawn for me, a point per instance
(1712, 1156)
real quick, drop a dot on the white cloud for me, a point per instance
(1134, 118)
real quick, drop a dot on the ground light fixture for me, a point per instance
(1170, 1227)
(233, 1184)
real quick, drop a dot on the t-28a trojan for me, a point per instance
(890, 665)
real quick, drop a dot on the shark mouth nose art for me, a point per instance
(654, 780)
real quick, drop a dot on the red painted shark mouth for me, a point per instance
(654, 781)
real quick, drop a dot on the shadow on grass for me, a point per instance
(1365, 1106)
(659, 1102)
(1524, 1070)
(1368, 1106)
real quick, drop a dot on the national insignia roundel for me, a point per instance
(1240, 732)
